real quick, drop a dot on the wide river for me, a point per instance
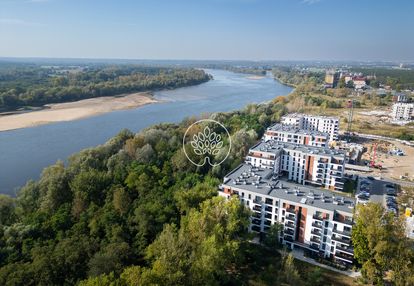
(25, 152)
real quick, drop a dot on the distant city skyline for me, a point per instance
(209, 30)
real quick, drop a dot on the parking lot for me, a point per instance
(371, 189)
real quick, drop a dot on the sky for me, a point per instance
(362, 30)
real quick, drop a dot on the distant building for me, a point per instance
(400, 97)
(302, 164)
(331, 78)
(292, 134)
(402, 111)
(307, 122)
(359, 82)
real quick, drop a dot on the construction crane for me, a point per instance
(372, 164)
(350, 106)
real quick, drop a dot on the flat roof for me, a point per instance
(292, 129)
(263, 182)
(295, 115)
(272, 146)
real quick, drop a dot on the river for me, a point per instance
(25, 152)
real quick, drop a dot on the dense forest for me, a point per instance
(36, 85)
(398, 79)
(116, 211)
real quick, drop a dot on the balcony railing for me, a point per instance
(342, 232)
(341, 240)
(257, 208)
(290, 217)
(349, 250)
(316, 232)
(318, 225)
(288, 238)
(288, 231)
(317, 217)
(289, 224)
(256, 221)
(268, 209)
(315, 239)
(345, 221)
(344, 256)
(291, 211)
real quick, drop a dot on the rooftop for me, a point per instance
(293, 129)
(273, 146)
(296, 115)
(263, 182)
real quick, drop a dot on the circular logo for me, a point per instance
(207, 141)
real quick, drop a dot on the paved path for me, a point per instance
(298, 254)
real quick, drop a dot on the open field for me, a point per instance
(74, 110)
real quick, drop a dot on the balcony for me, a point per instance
(314, 246)
(291, 211)
(267, 222)
(345, 257)
(315, 239)
(256, 201)
(288, 238)
(336, 174)
(268, 209)
(343, 233)
(255, 228)
(291, 217)
(268, 216)
(257, 208)
(349, 250)
(269, 201)
(289, 224)
(316, 232)
(317, 217)
(341, 239)
(257, 215)
(317, 225)
(288, 231)
(256, 221)
(344, 221)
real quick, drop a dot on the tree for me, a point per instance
(380, 244)
(7, 210)
(200, 251)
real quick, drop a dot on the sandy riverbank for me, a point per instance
(255, 77)
(74, 110)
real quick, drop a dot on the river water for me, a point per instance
(25, 152)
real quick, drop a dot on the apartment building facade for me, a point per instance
(291, 134)
(314, 219)
(302, 164)
(307, 122)
(402, 111)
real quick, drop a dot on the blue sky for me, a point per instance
(209, 29)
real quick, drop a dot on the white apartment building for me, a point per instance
(307, 122)
(315, 219)
(292, 134)
(299, 163)
(402, 111)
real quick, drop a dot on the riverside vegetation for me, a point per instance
(135, 211)
(26, 86)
